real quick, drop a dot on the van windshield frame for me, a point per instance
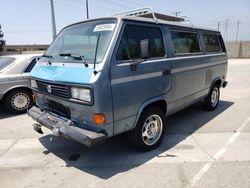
(81, 39)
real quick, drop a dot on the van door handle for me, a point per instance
(166, 72)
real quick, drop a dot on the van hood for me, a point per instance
(78, 74)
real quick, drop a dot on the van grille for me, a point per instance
(56, 89)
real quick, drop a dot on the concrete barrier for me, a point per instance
(234, 49)
(245, 49)
(238, 49)
(24, 49)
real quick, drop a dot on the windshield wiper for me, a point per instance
(46, 55)
(75, 56)
(49, 58)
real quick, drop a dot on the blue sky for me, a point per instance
(28, 21)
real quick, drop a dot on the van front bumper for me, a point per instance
(66, 128)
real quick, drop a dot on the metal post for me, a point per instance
(218, 25)
(53, 19)
(87, 9)
(176, 13)
(226, 34)
(240, 49)
(237, 32)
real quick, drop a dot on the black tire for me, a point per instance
(212, 100)
(136, 135)
(25, 101)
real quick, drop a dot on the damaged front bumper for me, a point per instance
(65, 128)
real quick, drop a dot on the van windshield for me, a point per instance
(88, 39)
(5, 62)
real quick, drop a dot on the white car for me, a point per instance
(15, 90)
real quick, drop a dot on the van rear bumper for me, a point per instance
(66, 128)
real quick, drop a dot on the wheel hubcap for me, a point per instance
(215, 97)
(20, 101)
(152, 129)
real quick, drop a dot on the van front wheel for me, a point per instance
(149, 131)
(212, 100)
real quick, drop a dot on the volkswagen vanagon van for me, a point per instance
(125, 73)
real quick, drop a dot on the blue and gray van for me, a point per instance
(125, 73)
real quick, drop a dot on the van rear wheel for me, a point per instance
(212, 100)
(149, 131)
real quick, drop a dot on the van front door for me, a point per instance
(150, 78)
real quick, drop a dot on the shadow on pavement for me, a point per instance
(116, 156)
(5, 114)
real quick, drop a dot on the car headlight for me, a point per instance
(82, 94)
(33, 84)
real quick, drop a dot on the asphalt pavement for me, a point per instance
(200, 149)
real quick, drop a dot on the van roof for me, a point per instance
(147, 15)
(160, 21)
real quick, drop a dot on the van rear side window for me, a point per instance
(185, 42)
(212, 44)
(129, 47)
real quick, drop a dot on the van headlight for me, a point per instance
(82, 94)
(33, 84)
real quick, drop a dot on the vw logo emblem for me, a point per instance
(49, 88)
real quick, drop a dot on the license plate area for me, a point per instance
(59, 109)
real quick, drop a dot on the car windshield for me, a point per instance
(89, 40)
(5, 62)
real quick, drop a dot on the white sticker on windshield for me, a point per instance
(104, 27)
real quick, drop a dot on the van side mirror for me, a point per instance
(145, 52)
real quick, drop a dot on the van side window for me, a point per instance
(129, 47)
(185, 42)
(212, 44)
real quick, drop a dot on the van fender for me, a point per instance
(215, 80)
(146, 104)
(212, 84)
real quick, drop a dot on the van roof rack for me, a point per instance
(148, 12)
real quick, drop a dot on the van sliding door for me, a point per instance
(189, 76)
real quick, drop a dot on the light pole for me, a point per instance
(87, 9)
(226, 28)
(53, 22)
(218, 26)
(237, 33)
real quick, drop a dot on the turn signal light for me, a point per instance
(99, 118)
(34, 98)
